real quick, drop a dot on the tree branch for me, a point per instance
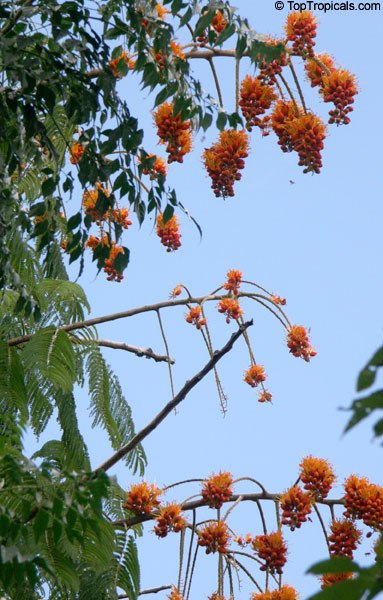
(171, 405)
(147, 352)
(13, 20)
(149, 591)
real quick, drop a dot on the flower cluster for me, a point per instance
(285, 593)
(170, 518)
(141, 498)
(339, 87)
(283, 114)
(218, 24)
(272, 549)
(113, 273)
(120, 216)
(194, 317)
(162, 58)
(278, 299)
(230, 308)
(317, 476)
(173, 132)
(217, 489)
(169, 232)
(296, 505)
(344, 538)
(268, 71)
(316, 67)
(256, 98)
(175, 594)
(364, 500)
(225, 159)
(159, 167)
(255, 375)
(233, 281)
(299, 344)
(76, 152)
(90, 199)
(214, 536)
(122, 59)
(301, 28)
(307, 133)
(332, 578)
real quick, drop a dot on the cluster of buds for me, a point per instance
(364, 500)
(194, 317)
(214, 536)
(233, 281)
(344, 538)
(285, 593)
(230, 308)
(142, 498)
(283, 114)
(173, 132)
(307, 133)
(158, 167)
(301, 28)
(339, 87)
(317, 476)
(256, 97)
(225, 159)
(299, 344)
(169, 232)
(296, 505)
(76, 152)
(123, 59)
(217, 489)
(272, 549)
(170, 518)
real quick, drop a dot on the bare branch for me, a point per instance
(216, 81)
(189, 385)
(149, 591)
(147, 352)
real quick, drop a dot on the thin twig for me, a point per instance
(190, 549)
(259, 505)
(237, 65)
(149, 591)
(298, 86)
(216, 81)
(322, 525)
(290, 93)
(167, 352)
(241, 566)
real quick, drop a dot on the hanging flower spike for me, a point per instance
(301, 28)
(264, 396)
(214, 537)
(233, 281)
(332, 578)
(109, 266)
(285, 593)
(76, 152)
(283, 114)
(315, 72)
(255, 375)
(269, 71)
(307, 133)
(169, 232)
(170, 518)
(173, 132)
(113, 64)
(121, 217)
(340, 88)
(194, 317)
(272, 549)
(364, 500)
(299, 344)
(230, 308)
(344, 538)
(141, 498)
(317, 476)
(225, 159)
(256, 98)
(296, 505)
(159, 168)
(217, 489)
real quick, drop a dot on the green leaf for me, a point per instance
(221, 121)
(377, 358)
(363, 407)
(203, 22)
(338, 564)
(366, 379)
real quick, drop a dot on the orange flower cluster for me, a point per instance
(175, 594)
(173, 132)
(243, 542)
(170, 518)
(122, 58)
(141, 498)
(256, 98)
(272, 549)
(219, 22)
(344, 538)
(233, 281)
(194, 317)
(93, 241)
(89, 201)
(264, 396)
(177, 291)
(364, 500)
(296, 505)
(214, 536)
(230, 308)
(315, 72)
(109, 266)
(299, 344)
(120, 216)
(283, 114)
(317, 476)
(269, 71)
(340, 88)
(159, 167)
(255, 375)
(161, 10)
(278, 299)
(169, 232)
(301, 28)
(76, 152)
(307, 133)
(332, 578)
(285, 593)
(225, 159)
(217, 489)
(162, 58)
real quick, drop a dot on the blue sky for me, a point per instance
(316, 242)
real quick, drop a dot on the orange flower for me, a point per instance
(255, 375)
(162, 58)
(123, 58)
(264, 396)
(317, 476)
(299, 344)
(161, 11)
(141, 498)
(233, 281)
(230, 308)
(278, 299)
(256, 98)
(307, 133)
(214, 536)
(194, 317)
(315, 72)
(225, 159)
(285, 593)
(340, 88)
(120, 216)
(243, 542)
(76, 152)
(296, 505)
(177, 291)
(169, 232)
(217, 489)
(272, 549)
(170, 518)
(301, 30)
(219, 22)
(344, 538)
(93, 241)
(173, 132)
(89, 201)
(332, 578)
(283, 114)
(159, 167)
(364, 500)
(109, 265)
